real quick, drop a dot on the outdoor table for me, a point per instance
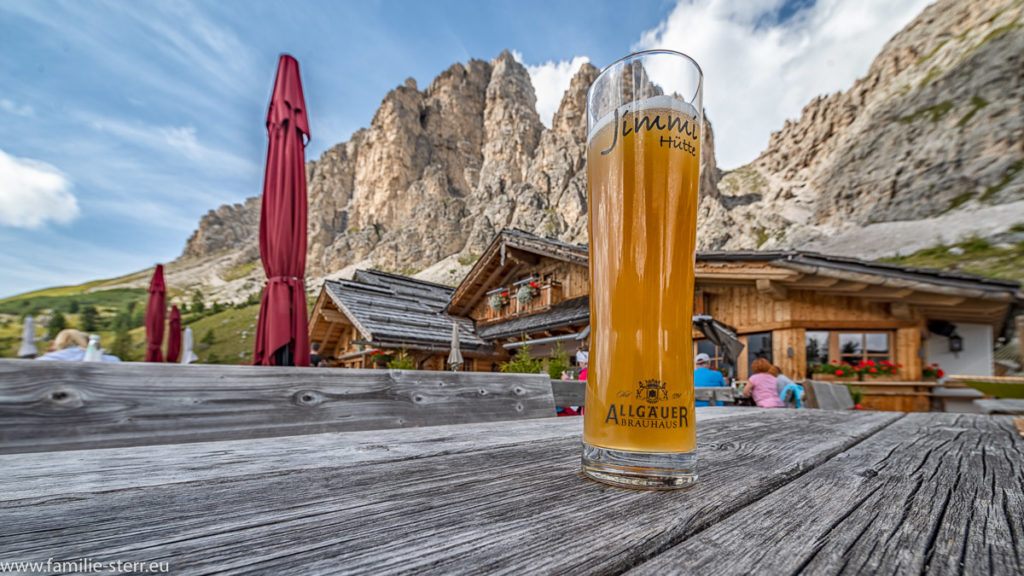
(780, 491)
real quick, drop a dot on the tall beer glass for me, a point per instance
(644, 115)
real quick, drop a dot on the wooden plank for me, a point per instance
(812, 282)
(1000, 406)
(569, 392)
(714, 394)
(931, 494)
(773, 289)
(65, 405)
(40, 475)
(496, 510)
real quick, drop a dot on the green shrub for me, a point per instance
(402, 361)
(558, 362)
(523, 363)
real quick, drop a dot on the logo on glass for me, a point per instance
(652, 390)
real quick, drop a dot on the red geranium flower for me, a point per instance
(505, 294)
(839, 372)
(872, 370)
(940, 373)
(534, 285)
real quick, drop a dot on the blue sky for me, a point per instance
(122, 123)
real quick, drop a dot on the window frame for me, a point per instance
(835, 353)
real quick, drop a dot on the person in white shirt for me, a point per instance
(69, 346)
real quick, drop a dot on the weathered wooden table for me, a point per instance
(780, 492)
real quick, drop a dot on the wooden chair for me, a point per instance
(827, 396)
(48, 405)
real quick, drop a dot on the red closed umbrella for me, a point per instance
(281, 337)
(174, 336)
(156, 315)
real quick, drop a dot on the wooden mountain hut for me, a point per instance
(378, 315)
(797, 309)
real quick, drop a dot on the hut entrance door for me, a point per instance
(759, 345)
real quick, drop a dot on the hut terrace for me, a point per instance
(794, 308)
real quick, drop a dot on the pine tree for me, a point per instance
(57, 323)
(122, 346)
(197, 303)
(88, 319)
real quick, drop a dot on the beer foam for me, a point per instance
(653, 103)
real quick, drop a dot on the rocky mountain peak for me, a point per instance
(932, 132)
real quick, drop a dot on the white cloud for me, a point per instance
(550, 81)
(32, 193)
(759, 72)
(180, 139)
(13, 108)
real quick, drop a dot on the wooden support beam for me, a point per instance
(333, 316)
(902, 311)
(934, 300)
(772, 289)
(339, 346)
(810, 282)
(844, 287)
(331, 329)
(490, 281)
(885, 294)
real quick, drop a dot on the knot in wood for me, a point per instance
(519, 391)
(483, 392)
(65, 397)
(308, 398)
(869, 473)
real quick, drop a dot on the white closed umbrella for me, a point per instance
(455, 356)
(28, 339)
(187, 355)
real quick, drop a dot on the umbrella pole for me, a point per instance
(283, 356)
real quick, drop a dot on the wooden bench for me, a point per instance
(828, 396)
(714, 394)
(990, 406)
(73, 405)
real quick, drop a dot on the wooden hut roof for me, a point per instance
(567, 313)
(393, 310)
(509, 251)
(509, 244)
(955, 295)
(812, 262)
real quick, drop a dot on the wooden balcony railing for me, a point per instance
(549, 294)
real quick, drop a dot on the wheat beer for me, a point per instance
(643, 162)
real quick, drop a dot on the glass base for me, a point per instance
(640, 470)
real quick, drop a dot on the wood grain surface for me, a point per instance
(440, 507)
(76, 405)
(930, 494)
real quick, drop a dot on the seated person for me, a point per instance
(703, 375)
(786, 387)
(762, 385)
(69, 346)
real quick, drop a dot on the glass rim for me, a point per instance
(651, 52)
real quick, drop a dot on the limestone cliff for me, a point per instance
(935, 129)
(930, 142)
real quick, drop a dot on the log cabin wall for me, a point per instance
(751, 311)
(568, 281)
